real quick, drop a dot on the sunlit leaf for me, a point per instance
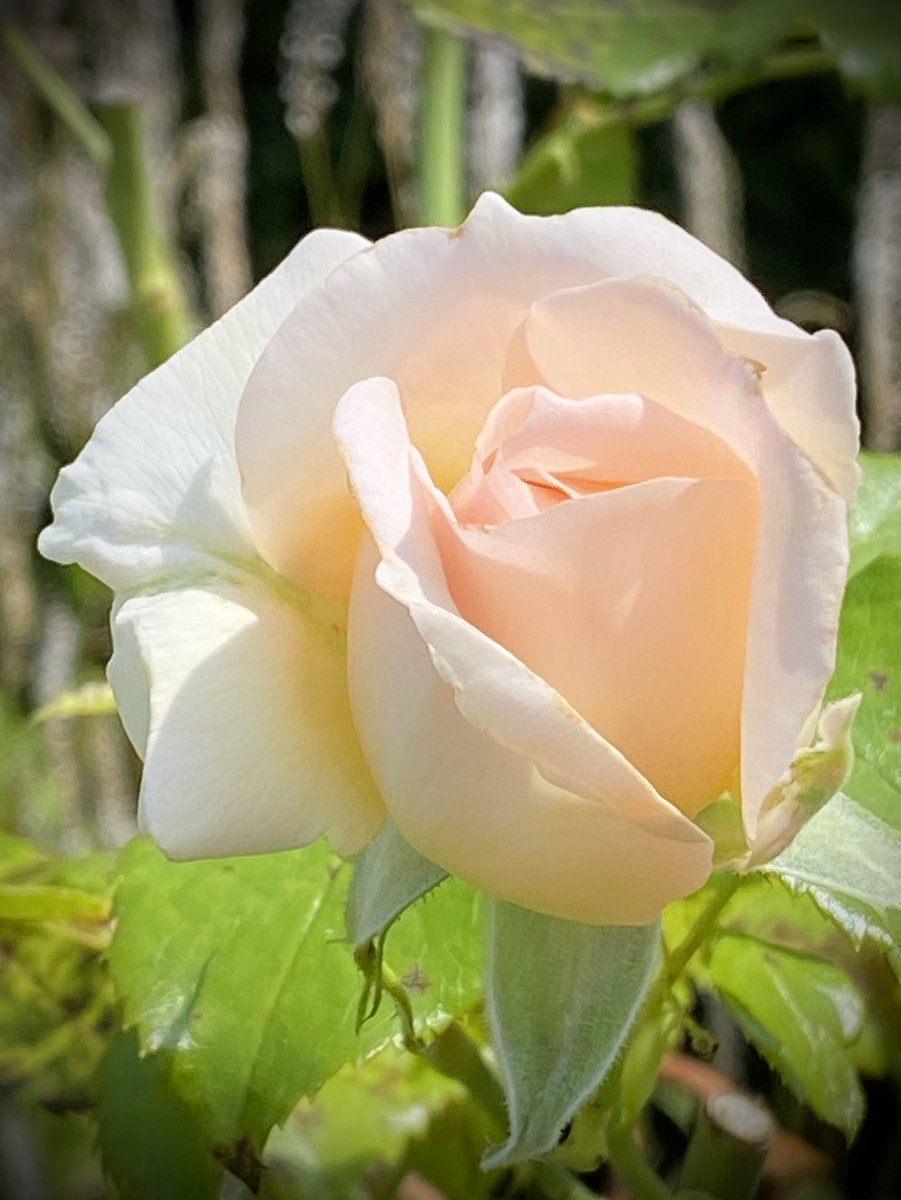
(581, 161)
(626, 48)
(634, 47)
(239, 970)
(802, 1014)
(875, 519)
(869, 661)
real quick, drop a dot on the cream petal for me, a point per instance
(598, 441)
(157, 489)
(483, 766)
(435, 310)
(808, 382)
(239, 708)
(633, 604)
(639, 335)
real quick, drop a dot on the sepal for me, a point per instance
(562, 998)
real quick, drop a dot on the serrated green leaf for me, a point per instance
(875, 518)
(848, 863)
(802, 1014)
(628, 48)
(239, 970)
(846, 850)
(389, 876)
(869, 661)
(561, 999)
(236, 969)
(149, 1144)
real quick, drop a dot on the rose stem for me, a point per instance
(442, 105)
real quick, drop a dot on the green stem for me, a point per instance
(725, 1156)
(65, 102)
(621, 1148)
(632, 1167)
(786, 64)
(454, 1054)
(724, 885)
(441, 130)
(557, 1183)
(157, 299)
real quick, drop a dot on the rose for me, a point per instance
(531, 534)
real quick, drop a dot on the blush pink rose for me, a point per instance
(531, 535)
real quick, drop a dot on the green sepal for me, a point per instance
(815, 776)
(562, 998)
(389, 876)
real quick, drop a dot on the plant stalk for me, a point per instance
(632, 1166)
(441, 130)
(730, 1141)
(59, 96)
(158, 302)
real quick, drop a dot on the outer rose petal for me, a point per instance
(483, 766)
(598, 337)
(240, 755)
(434, 310)
(808, 382)
(157, 488)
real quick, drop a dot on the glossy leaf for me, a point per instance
(869, 661)
(626, 48)
(875, 519)
(847, 850)
(562, 998)
(802, 1014)
(635, 47)
(239, 970)
(849, 863)
(581, 161)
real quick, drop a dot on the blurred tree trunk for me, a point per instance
(877, 277)
(710, 181)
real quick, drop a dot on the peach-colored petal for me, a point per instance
(239, 708)
(598, 442)
(633, 604)
(808, 382)
(639, 335)
(434, 310)
(484, 767)
(156, 490)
